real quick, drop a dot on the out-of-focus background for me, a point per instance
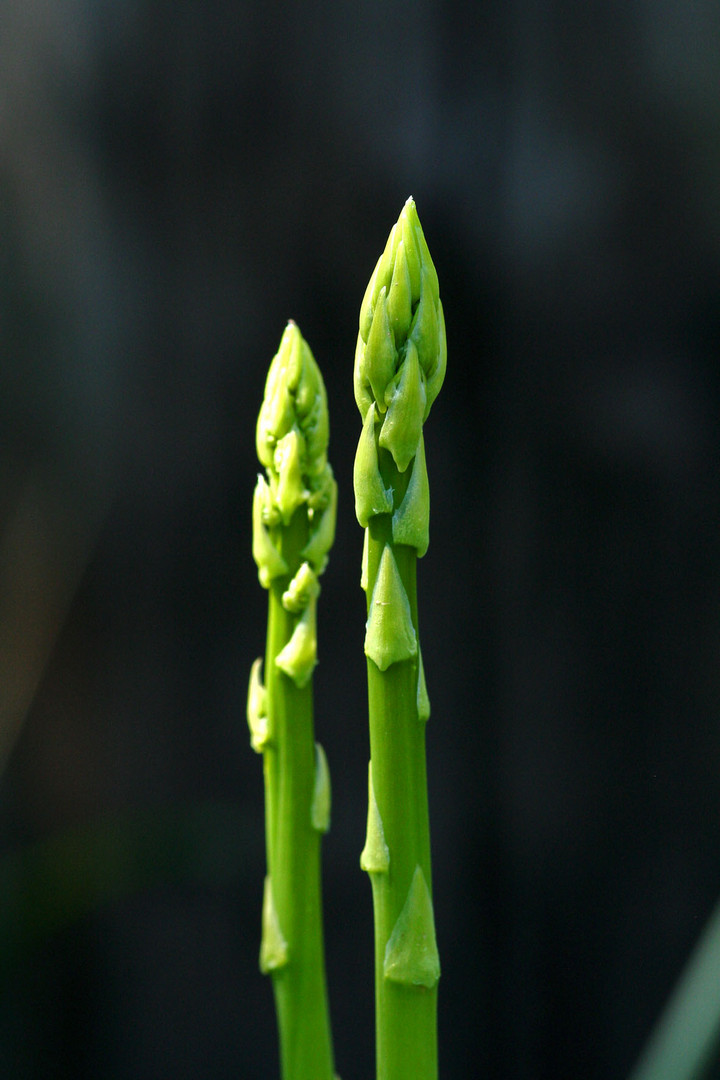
(176, 181)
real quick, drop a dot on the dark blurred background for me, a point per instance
(176, 181)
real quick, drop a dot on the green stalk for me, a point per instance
(293, 529)
(399, 369)
(683, 1044)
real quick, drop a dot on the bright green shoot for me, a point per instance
(399, 369)
(293, 529)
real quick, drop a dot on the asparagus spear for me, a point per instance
(399, 369)
(293, 529)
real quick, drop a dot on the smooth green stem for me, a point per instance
(406, 1015)
(683, 1044)
(293, 845)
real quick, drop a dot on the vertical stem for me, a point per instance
(293, 844)
(299, 986)
(406, 1006)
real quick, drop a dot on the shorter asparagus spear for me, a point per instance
(293, 529)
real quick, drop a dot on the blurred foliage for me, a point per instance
(52, 883)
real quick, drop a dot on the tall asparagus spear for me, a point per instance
(399, 369)
(293, 529)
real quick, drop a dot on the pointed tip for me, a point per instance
(321, 798)
(292, 330)
(375, 856)
(423, 701)
(273, 948)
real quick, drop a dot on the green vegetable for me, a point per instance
(293, 530)
(399, 369)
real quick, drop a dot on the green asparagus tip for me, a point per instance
(401, 308)
(292, 429)
(400, 362)
(292, 440)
